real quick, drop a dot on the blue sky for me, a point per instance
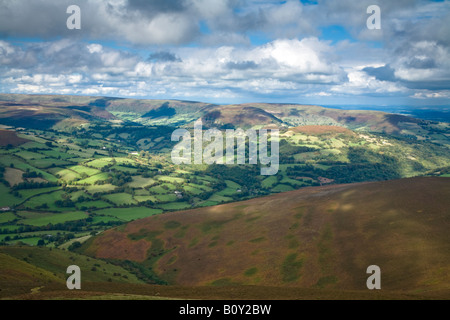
(230, 51)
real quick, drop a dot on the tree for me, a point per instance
(41, 243)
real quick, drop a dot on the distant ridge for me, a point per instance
(62, 112)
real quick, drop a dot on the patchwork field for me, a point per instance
(75, 169)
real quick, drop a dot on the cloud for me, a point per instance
(270, 68)
(227, 48)
(163, 56)
(242, 65)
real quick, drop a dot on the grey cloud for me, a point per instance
(385, 73)
(243, 65)
(156, 6)
(425, 63)
(163, 56)
(64, 57)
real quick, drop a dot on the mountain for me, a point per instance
(319, 237)
(62, 112)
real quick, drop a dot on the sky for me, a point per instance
(230, 51)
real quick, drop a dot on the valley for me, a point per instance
(92, 178)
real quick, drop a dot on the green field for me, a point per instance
(98, 204)
(269, 182)
(93, 179)
(66, 174)
(48, 199)
(146, 198)
(81, 169)
(28, 155)
(120, 199)
(6, 217)
(7, 200)
(99, 163)
(166, 197)
(192, 190)
(86, 162)
(43, 219)
(128, 214)
(32, 192)
(282, 188)
(100, 188)
(170, 179)
(141, 182)
(160, 190)
(175, 206)
(218, 198)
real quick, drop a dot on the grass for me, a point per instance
(290, 269)
(120, 199)
(124, 169)
(282, 188)
(47, 163)
(208, 203)
(175, 206)
(82, 169)
(6, 199)
(146, 198)
(100, 188)
(46, 264)
(66, 174)
(7, 217)
(93, 179)
(43, 219)
(98, 204)
(99, 163)
(27, 193)
(56, 154)
(219, 198)
(166, 197)
(128, 214)
(105, 219)
(141, 182)
(31, 241)
(48, 199)
(269, 182)
(170, 179)
(28, 155)
(169, 188)
(192, 190)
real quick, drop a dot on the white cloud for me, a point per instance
(431, 95)
(359, 82)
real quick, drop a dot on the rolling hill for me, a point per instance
(66, 112)
(75, 166)
(313, 238)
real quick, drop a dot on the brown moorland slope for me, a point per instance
(321, 237)
(10, 138)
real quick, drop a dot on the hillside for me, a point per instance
(320, 237)
(32, 270)
(66, 112)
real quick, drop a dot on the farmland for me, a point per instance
(68, 180)
(64, 183)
